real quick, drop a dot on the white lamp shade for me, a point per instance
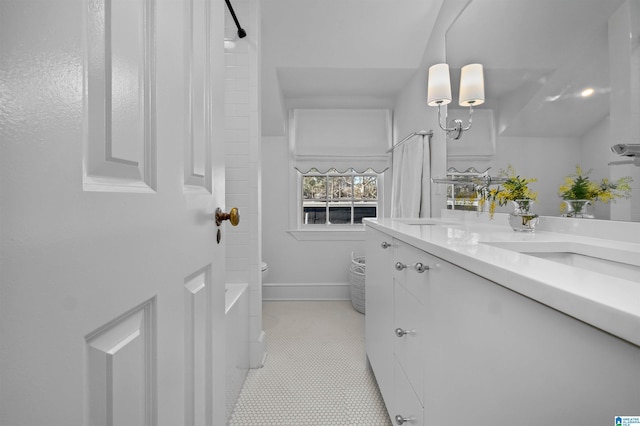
(471, 85)
(439, 85)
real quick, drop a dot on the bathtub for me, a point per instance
(237, 341)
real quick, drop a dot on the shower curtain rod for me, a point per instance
(403, 141)
(241, 33)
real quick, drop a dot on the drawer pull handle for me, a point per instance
(385, 245)
(401, 420)
(400, 266)
(401, 333)
(419, 267)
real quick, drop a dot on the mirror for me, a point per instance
(561, 87)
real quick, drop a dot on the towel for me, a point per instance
(407, 180)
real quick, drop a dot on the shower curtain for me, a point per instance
(410, 169)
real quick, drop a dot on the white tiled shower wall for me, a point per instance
(242, 155)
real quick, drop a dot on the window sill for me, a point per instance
(325, 234)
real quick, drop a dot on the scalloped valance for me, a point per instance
(340, 139)
(341, 164)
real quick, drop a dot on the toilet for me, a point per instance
(264, 268)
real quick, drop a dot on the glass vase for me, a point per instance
(522, 219)
(578, 208)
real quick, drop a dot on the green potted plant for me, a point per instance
(579, 192)
(515, 189)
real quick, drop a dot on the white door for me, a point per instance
(111, 167)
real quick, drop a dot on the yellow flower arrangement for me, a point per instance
(514, 188)
(578, 186)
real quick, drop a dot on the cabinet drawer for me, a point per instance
(406, 405)
(407, 260)
(409, 337)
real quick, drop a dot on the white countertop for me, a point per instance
(604, 301)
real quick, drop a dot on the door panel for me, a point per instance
(120, 385)
(120, 150)
(197, 352)
(101, 230)
(198, 55)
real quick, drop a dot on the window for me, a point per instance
(335, 198)
(337, 159)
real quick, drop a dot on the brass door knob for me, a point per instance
(233, 216)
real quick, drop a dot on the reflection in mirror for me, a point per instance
(562, 86)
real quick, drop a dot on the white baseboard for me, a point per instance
(305, 291)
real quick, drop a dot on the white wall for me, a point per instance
(594, 150)
(411, 112)
(311, 263)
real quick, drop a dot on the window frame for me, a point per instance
(328, 203)
(326, 232)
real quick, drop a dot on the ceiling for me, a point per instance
(339, 53)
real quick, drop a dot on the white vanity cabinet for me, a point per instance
(448, 346)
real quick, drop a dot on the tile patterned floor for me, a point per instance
(315, 373)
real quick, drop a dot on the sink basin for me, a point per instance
(605, 260)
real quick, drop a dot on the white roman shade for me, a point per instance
(340, 139)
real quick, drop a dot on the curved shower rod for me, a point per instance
(403, 141)
(241, 32)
